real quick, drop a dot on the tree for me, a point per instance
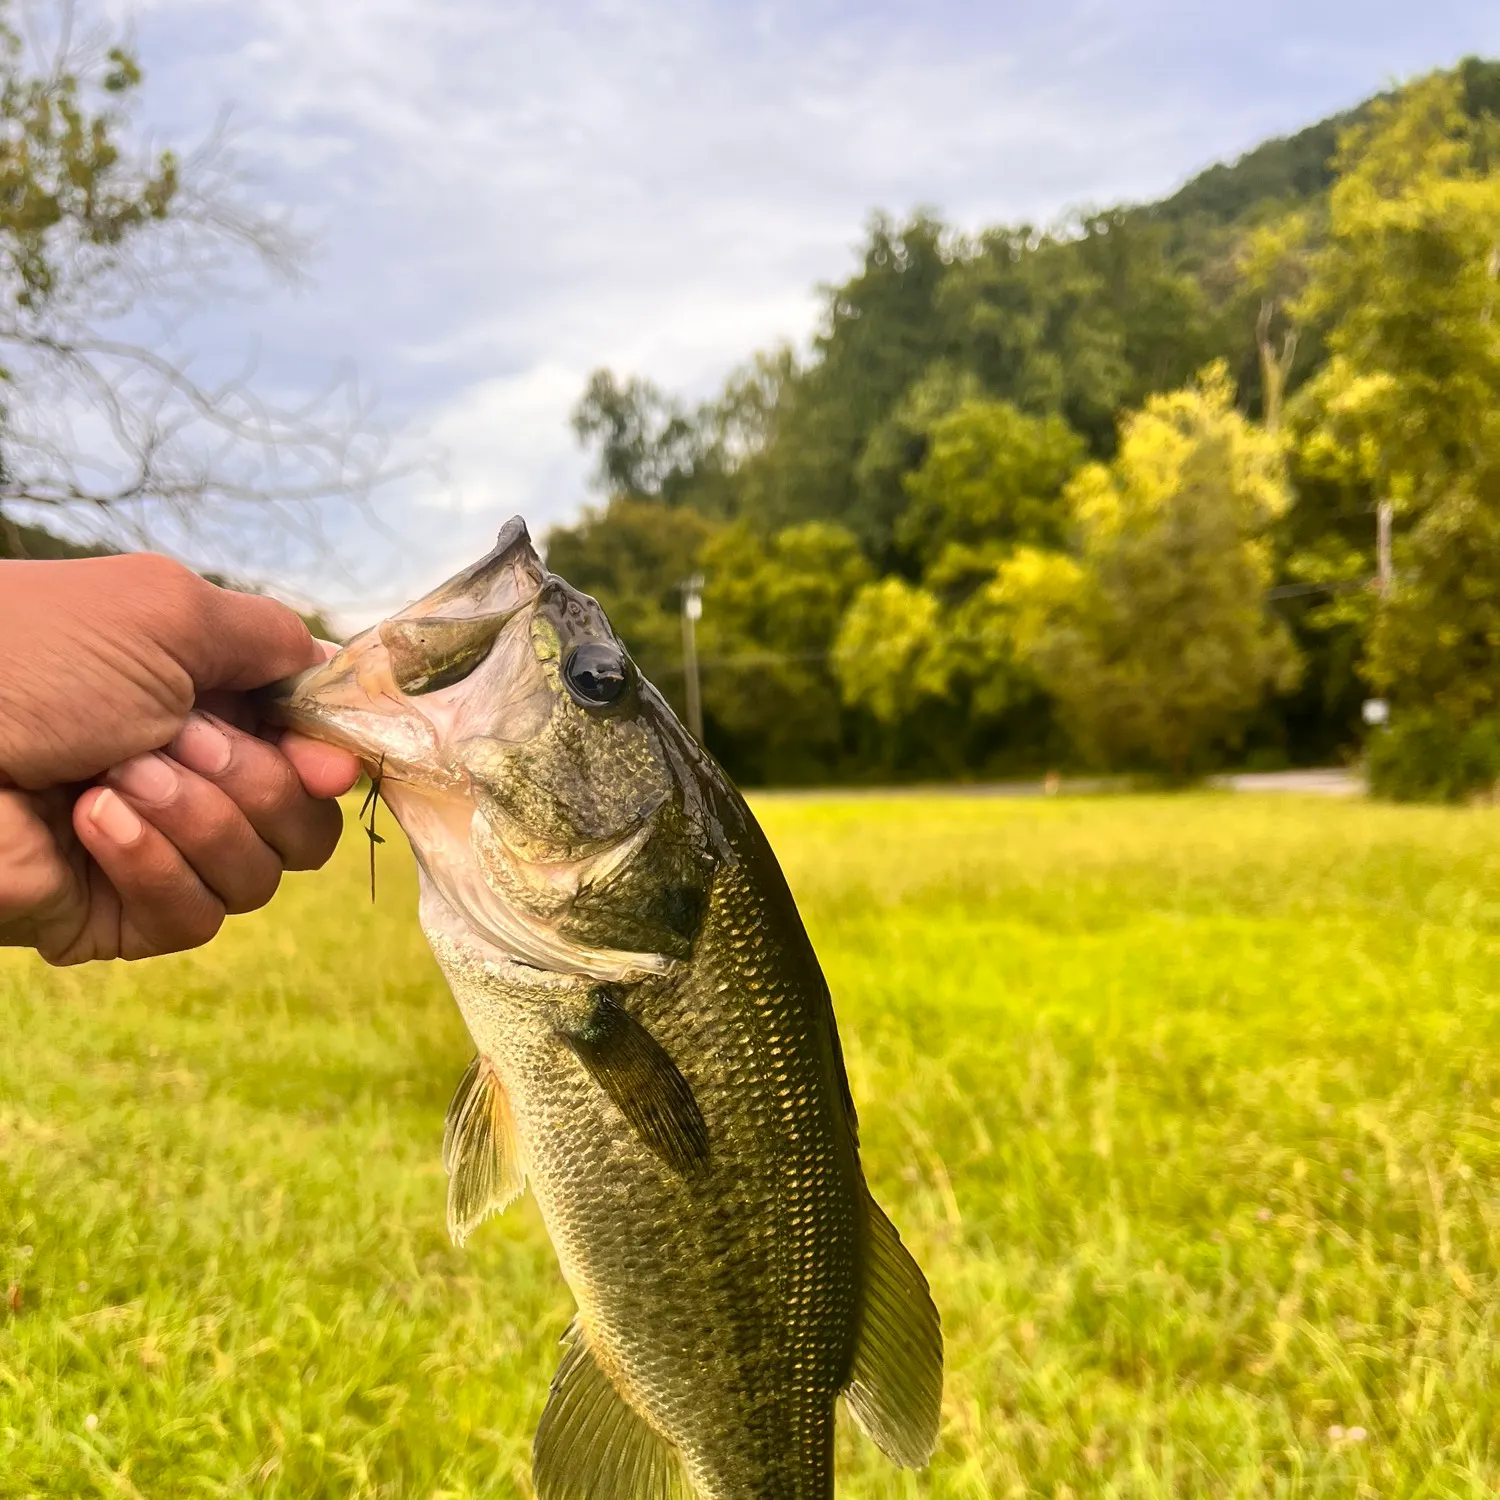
(1406, 284)
(881, 332)
(1345, 276)
(1399, 432)
(644, 439)
(771, 609)
(896, 447)
(990, 473)
(1164, 645)
(886, 650)
(1077, 322)
(1272, 262)
(1435, 643)
(96, 230)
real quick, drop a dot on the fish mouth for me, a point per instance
(382, 696)
(352, 701)
(360, 699)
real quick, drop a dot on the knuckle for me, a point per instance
(274, 788)
(206, 926)
(256, 890)
(221, 829)
(163, 579)
(318, 837)
(195, 924)
(177, 597)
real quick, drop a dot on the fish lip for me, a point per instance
(351, 701)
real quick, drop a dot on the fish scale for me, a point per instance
(776, 1212)
(657, 1051)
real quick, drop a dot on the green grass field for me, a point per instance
(1189, 1105)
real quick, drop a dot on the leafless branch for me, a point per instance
(103, 418)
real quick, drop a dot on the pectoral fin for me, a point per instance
(592, 1444)
(480, 1153)
(633, 1068)
(896, 1390)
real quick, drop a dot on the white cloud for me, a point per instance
(510, 194)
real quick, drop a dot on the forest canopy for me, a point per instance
(1108, 492)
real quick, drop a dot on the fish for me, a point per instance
(656, 1053)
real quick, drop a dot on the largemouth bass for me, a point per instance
(657, 1055)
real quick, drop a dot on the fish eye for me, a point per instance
(595, 674)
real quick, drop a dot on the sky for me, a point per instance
(502, 197)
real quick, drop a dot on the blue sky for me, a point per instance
(504, 196)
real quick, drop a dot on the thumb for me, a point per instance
(246, 641)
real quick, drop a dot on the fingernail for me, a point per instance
(115, 818)
(147, 778)
(202, 746)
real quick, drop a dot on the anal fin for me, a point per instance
(633, 1068)
(480, 1153)
(591, 1444)
(896, 1390)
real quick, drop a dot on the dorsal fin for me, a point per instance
(480, 1153)
(896, 1390)
(591, 1444)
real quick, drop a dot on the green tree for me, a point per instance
(881, 333)
(1164, 646)
(1435, 643)
(896, 447)
(645, 441)
(771, 609)
(96, 228)
(1406, 284)
(1078, 323)
(1272, 263)
(886, 654)
(990, 473)
(1403, 421)
(1345, 277)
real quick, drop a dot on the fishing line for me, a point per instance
(371, 802)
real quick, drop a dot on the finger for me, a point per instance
(324, 770)
(242, 641)
(42, 890)
(205, 826)
(164, 906)
(241, 711)
(262, 783)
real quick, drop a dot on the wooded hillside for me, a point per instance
(1013, 463)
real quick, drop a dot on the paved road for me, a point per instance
(1331, 781)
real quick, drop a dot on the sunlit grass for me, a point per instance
(1190, 1106)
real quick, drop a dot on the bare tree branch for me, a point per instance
(106, 247)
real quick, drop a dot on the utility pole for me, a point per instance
(692, 612)
(1383, 548)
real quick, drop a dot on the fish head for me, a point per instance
(554, 803)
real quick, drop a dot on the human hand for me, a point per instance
(130, 672)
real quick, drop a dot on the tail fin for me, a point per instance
(896, 1390)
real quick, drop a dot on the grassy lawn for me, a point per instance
(1190, 1106)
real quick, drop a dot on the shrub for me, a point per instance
(1427, 757)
